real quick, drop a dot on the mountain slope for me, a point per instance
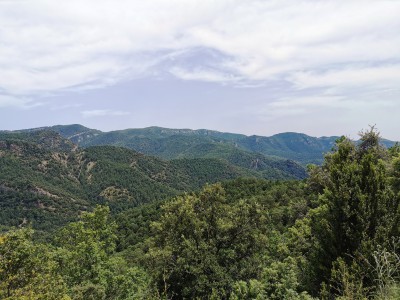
(45, 179)
(178, 143)
(38, 179)
(183, 143)
(296, 146)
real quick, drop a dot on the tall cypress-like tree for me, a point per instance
(358, 206)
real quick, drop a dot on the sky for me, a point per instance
(321, 67)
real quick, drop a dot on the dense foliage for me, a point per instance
(45, 180)
(184, 143)
(359, 209)
(332, 236)
(79, 264)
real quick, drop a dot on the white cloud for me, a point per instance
(19, 102)
(52, 46)
(295, 106)
(382, 76)
(201, 74)
(6, 100)
(103, 113)
(66, 106)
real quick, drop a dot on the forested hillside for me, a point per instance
(184, 143)
(177, 143)
(46, 180)
(334, 235)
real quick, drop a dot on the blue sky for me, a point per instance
(321, 67)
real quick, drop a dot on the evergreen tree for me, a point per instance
(358, 207)
(204, 244)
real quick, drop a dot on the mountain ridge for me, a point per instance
(47, 180)
(168, 143)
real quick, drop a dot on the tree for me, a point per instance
(85, 245)
(204, 243)
(278, 281)
(88, 262)
(28, 270)
(357, 205)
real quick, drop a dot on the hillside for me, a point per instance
(246, 238)
(47, 180)
(296, 146)
(185, 143)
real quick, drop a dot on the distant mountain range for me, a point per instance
(49, 175)
(47, 180)
(185, 143)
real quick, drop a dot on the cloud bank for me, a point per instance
(103, 113)
(345, 50)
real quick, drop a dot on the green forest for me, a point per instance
(332, 235)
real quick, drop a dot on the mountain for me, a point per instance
(75, 133)
(47, 180)
(169, 143)
(185, 143)
(296, 146)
